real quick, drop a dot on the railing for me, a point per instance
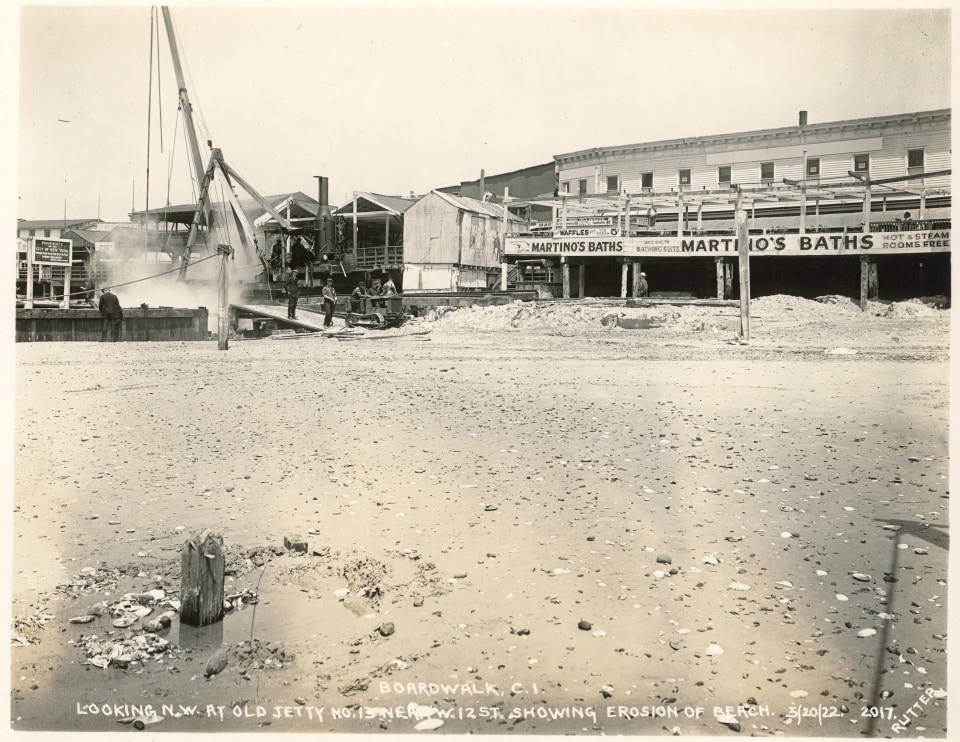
(378, 257)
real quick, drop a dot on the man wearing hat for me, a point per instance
(292, 287)
(329, 294)
(642, 288)
(112, 314)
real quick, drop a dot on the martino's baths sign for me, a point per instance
(855, 243)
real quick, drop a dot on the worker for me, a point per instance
(276, 258)
(375, 292)
(358, 298)
(329, 302)
(643, 289)
(112, 316)
(388, 288)
(292, 287)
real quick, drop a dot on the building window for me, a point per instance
(33, 232)
(723, 174)
(646, 180)
(613, 183)
(46, 233)
(766, 171)
(861, 163)
(684, 176)
(813, 167)
(583, 185)
(915, 158)
(565, 186)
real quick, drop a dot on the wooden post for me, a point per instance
(803, 208)
(355, 225)
(864, 281)
(626, 220)
(563, 213)
(727, 279)
(873, 280)
(582, 279)
(680, 214)
(743, 251)
(565, 266)
(67, 275)
(720, 286)
(866, 204)
(28, 303)
(504, 270)
(202, 565)
(700, 216)
(636, 278)
(923, 204)
(223, 297)
(506, 227)
(623, 279)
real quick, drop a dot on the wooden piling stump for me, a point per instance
(202, 567)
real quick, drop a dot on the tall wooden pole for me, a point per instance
(503, 240)
(743, 251)
(223, 303)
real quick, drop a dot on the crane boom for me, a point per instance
(185, 105)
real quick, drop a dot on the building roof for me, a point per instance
(465, 203)
(53, 223)
(376, 203)
(807, 129)
(183, 213)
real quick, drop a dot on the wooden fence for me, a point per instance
(139, 324)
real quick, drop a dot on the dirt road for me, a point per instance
(530, 522)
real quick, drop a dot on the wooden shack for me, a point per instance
(454, 243)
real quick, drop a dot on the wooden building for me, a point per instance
(454, 243)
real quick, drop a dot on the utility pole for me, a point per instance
(223, 298)
(743, 251)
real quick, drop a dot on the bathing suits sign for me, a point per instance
(856, 243)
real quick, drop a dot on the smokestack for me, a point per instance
(803, 118)
(482, 182)
(322, 222)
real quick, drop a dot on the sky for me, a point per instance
(395, 100)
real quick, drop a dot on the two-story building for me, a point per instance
(885, 175)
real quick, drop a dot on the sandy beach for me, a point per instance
(528, 520)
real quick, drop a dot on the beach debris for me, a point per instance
(295, 543)
(584, 625)
(386, 629)
(728, 720)
(217, 662)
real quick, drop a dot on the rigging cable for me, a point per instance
(153, 12)
(137, 280)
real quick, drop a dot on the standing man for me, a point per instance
(292, 287)
(111, 314)
(329, 302)
(643, 290)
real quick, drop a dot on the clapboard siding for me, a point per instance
(886, 139)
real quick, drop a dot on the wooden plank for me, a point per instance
(202, 565)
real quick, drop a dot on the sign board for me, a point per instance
(106, 247)
(851, 243)
(48, 251)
